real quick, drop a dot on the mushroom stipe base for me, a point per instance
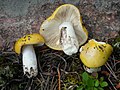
(91, 70)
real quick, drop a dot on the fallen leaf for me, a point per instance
(105, 73)
(118, 86)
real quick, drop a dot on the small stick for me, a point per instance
(59, 84)
(112, 84)
(110, 70)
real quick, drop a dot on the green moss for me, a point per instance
(71, 80)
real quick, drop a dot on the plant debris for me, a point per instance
(56, 70)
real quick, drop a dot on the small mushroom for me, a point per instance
(25, 45)
(63, 30)
(95, 54)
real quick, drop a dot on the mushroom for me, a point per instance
(25, 45)
(63, 30)
(95, 54)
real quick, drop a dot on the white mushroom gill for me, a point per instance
(29, 61)
(68, 38)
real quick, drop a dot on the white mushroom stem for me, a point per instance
(68, 38)
(29, 61)
(91, 70)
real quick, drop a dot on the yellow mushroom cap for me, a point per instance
(28, 40)
(50, 27)
(95, 54)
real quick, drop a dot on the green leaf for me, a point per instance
(95, 88)
(90, 82)
(100, 88)
(80, 88)
(96, 83)
(89, 88)
(101, 79)
(85, 76)
(103, 84)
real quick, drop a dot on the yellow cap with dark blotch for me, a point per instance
(95, 54)
(28, 40)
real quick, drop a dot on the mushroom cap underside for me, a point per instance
(28, 40)
(50, 27)
(95, 54)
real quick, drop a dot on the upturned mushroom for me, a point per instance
(24, 45)
(63, 30)
(95, 54)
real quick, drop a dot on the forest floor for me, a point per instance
(18, 18)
